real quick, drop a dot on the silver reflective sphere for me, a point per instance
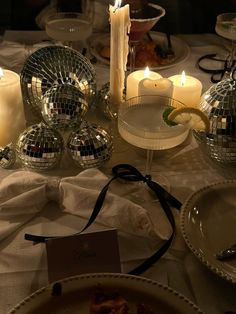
(103, 100)
(90, 146)
(7, 156)
(64, 107)
(219, 103)
(55, 65)
(39, 147)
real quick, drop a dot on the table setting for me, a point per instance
(117, 173)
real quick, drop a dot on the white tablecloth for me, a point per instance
(23, 266)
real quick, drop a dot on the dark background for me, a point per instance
(182, 16)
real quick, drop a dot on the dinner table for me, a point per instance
(23, 264)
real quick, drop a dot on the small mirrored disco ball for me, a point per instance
(40, 147)
(89, 146)
(7, 156)
(55, 65)
(64, 107)
(219, 104)
(103, 100)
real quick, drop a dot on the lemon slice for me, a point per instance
(192, 118)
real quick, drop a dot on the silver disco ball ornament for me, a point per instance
(89, 146)
(103, 100)
(64, 107)
(55, 65)
(219, 103)
(7, 156)
(40, 147)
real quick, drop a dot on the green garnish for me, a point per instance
(166, 114)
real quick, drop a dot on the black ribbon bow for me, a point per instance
(130, 173)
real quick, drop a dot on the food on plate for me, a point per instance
(144, 309)
(112, 302)
(108, 302)
(148, 53)
(151, 54)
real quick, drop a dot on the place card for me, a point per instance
(83, 253)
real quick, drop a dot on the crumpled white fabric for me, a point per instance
(14, 54)
(24, 193)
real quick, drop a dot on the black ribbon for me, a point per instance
(216, 74)
(130, 173)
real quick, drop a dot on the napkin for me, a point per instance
(14, 54)
(23, 194)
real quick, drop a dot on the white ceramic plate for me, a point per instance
(78, 291)
(208, 224)
(180, 48)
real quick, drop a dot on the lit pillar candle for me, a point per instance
(119, 49)
(12, 117)
(134, 78)
(162, 86)
(187, 89)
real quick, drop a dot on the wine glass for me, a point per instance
(226, 27)
(151, 14)
(72, 29)
(141, 122)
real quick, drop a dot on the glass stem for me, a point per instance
(230, 62)
(149, 163)
(132, 56)
(233, 55)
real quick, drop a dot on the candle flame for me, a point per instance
(183, 79)
(117, 4)
(146, 72)
(1, 73)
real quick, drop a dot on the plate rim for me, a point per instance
(97, 36)
(105, 275)
(185, 209)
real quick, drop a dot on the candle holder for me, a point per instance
(55, 65)
(109, 109)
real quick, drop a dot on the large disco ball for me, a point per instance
(40, 147)
(89, 146)
(219, 104)
(64, 106)
(55, 65)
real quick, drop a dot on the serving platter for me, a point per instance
(208, 220)
(180, 48)
(73, 295)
